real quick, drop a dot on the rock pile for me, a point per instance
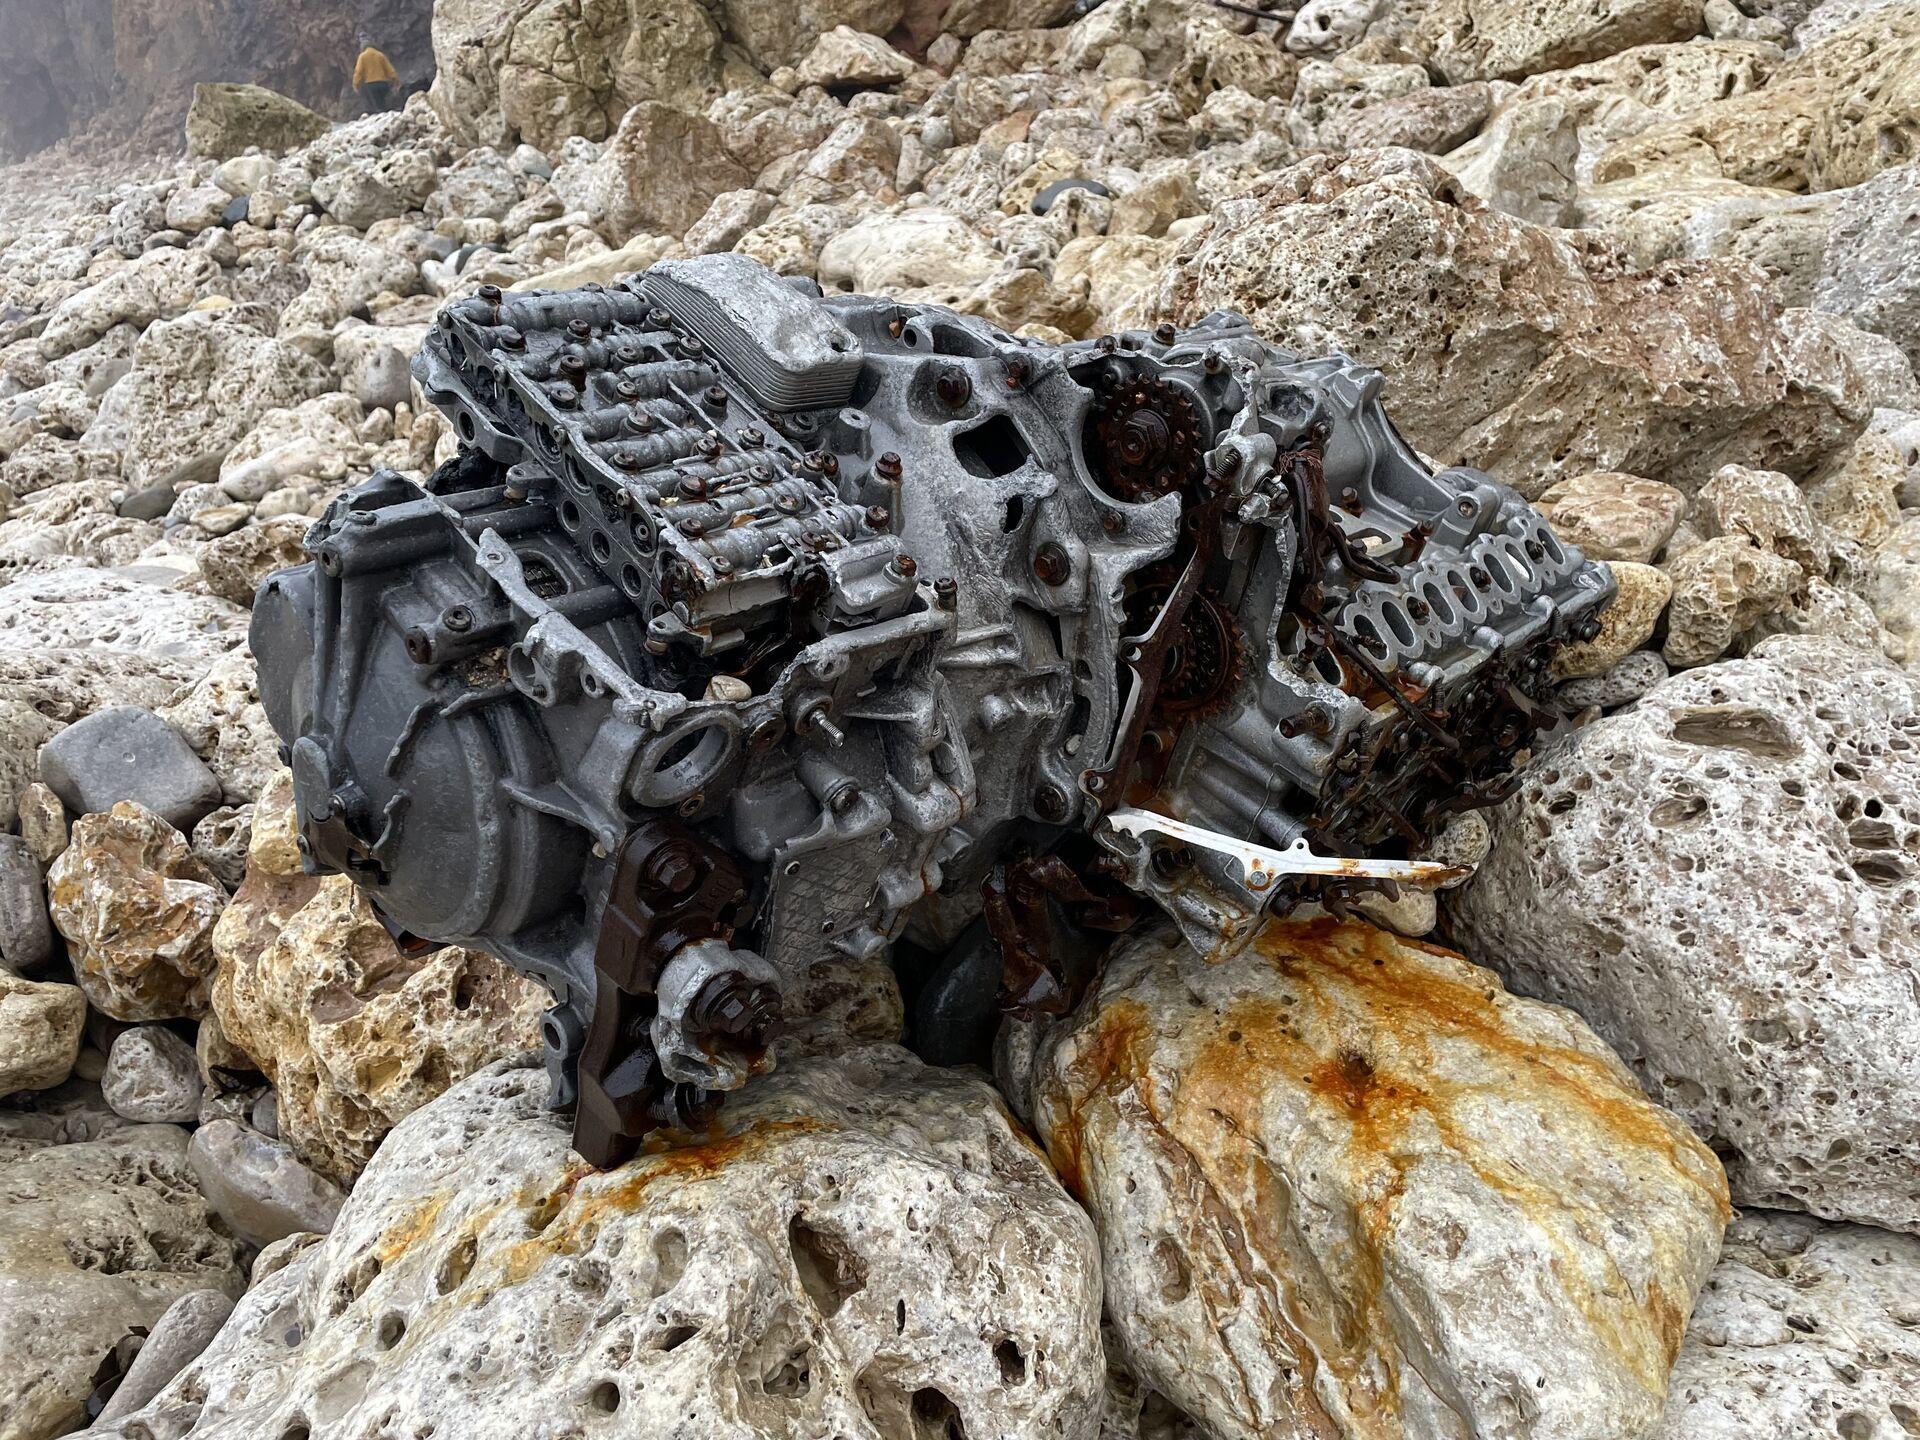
(1654, 262)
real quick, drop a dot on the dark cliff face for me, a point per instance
(120, 69)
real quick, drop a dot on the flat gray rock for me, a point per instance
(26, 934)
(258, 1186)
(127, 753)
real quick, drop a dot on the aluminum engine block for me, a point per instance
(754, 637)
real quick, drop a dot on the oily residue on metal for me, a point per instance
(1373, 1032)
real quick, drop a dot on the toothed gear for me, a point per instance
(1147, 439)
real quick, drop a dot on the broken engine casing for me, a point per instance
(752, 630)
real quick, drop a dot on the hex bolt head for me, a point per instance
(953, 387)
(1051, 565)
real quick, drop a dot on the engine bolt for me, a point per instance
(716, 397)
(693, 487)
(693, 527)
(458, 619)
(659, 318)
(709, 445)
(905, 566)
(888, 466)
(1418, 608)
(1050, 804)
(1051, 565)
(946, 591)
(1114, 523)
(1165, 333)
(512, 340)
(673, 871)
(579, 329)
(752, 435)
(1479, 576)
(490, 294)
(1017, 371)
(692, 345)
(953, 387)
(1535, 550)
(879, 518)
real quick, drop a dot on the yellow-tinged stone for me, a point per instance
(1347, 1185)
(138, 912)
(1625, 625)
(354, 1033)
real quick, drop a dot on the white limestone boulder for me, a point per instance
(1346, 1185)
(864, 1247)
(1722, 880)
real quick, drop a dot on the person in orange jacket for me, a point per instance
(374, 78)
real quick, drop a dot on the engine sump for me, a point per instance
(751, 634)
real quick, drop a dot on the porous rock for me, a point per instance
(151, 1077)
(1720, 880)
(1872, 264)
(1531, 352)
(40, 1027)
(225, 120)
(1347, 1185)
(353, 1033)
(1722, 589)
(658, 173)
(178, 1336)
(127, 753)
(863, 1247)
(1511, 39)
(199, 383)
(96, 1237)
(138, 913)
(1804, 1329)
(1625, 625)
(152, 629)
(220, 842)
(222, 719)
(1631, 677)
(1893, 586)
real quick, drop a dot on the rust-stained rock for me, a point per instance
(138, 911)
(353, 1033)
(863, 1247)
(1723, 880)
(1538, 354)
(1347, 1186)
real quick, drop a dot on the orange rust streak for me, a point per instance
(415, 1226)
(570, 1219)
